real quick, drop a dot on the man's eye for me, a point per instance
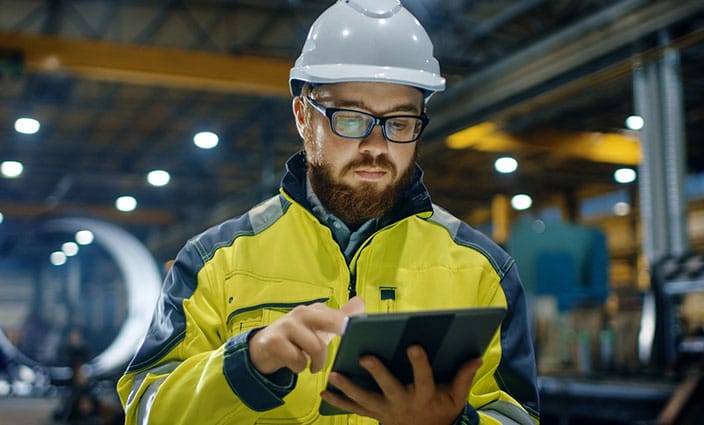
(352, 124)
(398, 124)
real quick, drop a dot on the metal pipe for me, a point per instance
(674, 149)
(651, 182)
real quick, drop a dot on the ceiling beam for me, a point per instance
(150, 65)
(536, 68)
(140, 216)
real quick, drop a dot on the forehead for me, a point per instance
(375, 96)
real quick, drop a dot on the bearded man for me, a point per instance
(242, 332)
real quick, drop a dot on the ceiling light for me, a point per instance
(622, 208)
(69, 248)
(506, 165)
(126, 203)
(206, 139)
(2, 217)
(57, 258)
(84, 237)
(27, 125)
(625, 175)
(635, 122)
(158, 178)
(521, 202)
(11, 169)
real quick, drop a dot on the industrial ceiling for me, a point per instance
(121, 87)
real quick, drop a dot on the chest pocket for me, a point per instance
(258, 301)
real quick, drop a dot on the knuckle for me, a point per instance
(271, 344)
(298, 309)
(287, 326)
(295, 312)
(298, 364)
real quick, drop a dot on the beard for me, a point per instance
(355, 205)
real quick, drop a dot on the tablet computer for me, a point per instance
(450, 338)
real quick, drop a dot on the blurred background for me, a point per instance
(570, 132)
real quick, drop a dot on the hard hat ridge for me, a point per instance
(371, 41)
(375, 9)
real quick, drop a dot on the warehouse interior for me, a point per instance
(595, 106)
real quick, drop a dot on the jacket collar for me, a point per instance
(415, 200)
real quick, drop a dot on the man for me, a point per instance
(243, 329)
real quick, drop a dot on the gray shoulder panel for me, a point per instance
(463, 234)
(266, 213)
(255, 221)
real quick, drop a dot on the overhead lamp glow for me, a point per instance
(506, 165)
(69, 248)
(57, 258)
(2, 217)
(622, 208)
(635, 122)
(84, 237)
(11, 169)
(126, 203)
(206, 139)
(625, 175)
(27, 125)
(521, 202)
(158, 178)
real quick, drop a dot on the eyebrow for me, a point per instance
(403, 107)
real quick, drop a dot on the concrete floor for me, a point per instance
(40, 411)
(27, 410)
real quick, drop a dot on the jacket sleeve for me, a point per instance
(505, 389)
(185, 368)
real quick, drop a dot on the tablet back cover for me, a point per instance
(449, 337)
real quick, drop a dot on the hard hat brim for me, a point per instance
(340, 73)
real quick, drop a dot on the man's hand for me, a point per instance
(421, 402)
(302, 334)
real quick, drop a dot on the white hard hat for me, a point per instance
(371, 41)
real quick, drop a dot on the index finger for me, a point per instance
(321, 318)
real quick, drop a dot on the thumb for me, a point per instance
(354, 306)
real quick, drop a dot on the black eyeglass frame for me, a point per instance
(329, 112)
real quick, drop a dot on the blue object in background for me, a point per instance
(565, 260)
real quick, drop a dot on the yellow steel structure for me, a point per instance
(149, 65)
(139, 216)
(613, 148)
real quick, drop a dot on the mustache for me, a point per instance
(381, 161)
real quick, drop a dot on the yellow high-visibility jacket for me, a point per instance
(193, 367)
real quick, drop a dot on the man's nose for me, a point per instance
(375, 143)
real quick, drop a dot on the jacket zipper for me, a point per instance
(352, 286)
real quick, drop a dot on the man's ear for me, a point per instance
(299, 114)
